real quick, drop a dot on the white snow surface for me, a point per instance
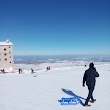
(43, 89)
(7, 42)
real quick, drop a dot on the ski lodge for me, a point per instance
(6, 56)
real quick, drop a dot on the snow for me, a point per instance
(6, 43)
(43, 89)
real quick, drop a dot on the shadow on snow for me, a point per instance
(69, 92)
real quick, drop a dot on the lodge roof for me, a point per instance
(6, 43)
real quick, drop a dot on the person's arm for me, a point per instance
(84, 79)
(96, 73)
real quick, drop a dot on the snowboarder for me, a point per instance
(89, 78)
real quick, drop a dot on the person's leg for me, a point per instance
(92, 89)
(90, 95)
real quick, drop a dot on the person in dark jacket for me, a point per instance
(90, 79)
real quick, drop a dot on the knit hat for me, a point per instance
(91, 65)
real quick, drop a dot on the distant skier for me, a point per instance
(48, 68)
(32, 71)
(89, 78)
(3, 71)
(20, 70)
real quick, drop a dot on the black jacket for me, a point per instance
(89, 76)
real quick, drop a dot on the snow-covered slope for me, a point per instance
(43, 89)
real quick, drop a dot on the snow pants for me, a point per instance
(90, 94)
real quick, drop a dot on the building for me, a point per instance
(6, 56)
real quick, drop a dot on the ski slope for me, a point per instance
(43, 89)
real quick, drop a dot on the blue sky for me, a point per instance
(56, 27)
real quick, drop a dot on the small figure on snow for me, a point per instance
(20, 70)
(85, 65)
(3, 71)
(48, 68)
(32, 71)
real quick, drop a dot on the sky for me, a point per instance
(56, 27)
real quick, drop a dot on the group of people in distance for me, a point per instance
(32, 71)
(48, 68)
(3, 71)
(20, 71)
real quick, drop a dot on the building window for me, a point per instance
(5, 54)
(4, 49)
(10, 61)
(5, 59)
(9, 52)
(9, 47)
(10, 56)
